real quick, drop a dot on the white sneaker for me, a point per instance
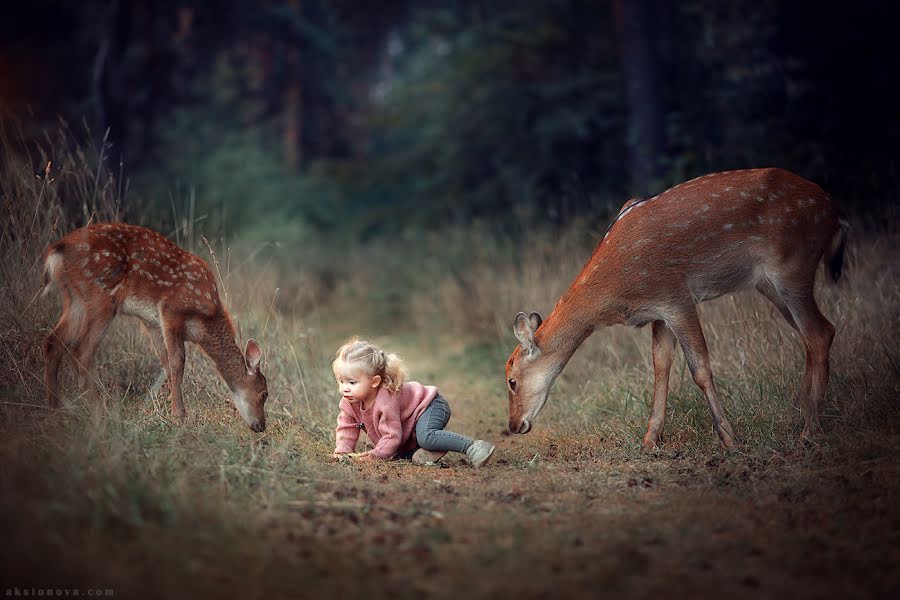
(424, 457)
(480, 452)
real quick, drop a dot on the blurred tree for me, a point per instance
(640, 68)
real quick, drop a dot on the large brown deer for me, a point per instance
(763, 229)
(112, 268)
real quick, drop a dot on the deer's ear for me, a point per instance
(524, 332)
(252, 355)
(535, 320)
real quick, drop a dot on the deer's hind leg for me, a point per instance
(767, 289)
(817, 333)
(101, 313)
(64, 339)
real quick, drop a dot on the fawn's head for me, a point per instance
(250, 390)
(528, 377)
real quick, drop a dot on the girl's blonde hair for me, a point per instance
(365, 356)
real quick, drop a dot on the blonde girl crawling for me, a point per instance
(404, 419)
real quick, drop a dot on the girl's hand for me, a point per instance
(364, 457)
(339, 457)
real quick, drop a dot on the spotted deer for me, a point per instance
(763, 229)
(112, 268)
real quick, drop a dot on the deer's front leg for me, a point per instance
(663, 354)
(157, 340)
(686, 327)
(173, 334)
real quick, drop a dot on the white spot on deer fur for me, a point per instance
(729, 188)
(106, 253)
(714, 196)
(82, 246)
(115, 289)
(755, 237)
(727, 226)
(744, 195)
(96, 257)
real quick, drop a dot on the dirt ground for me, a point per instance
(557, 515)
(207, 509)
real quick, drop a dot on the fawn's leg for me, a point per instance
(686, 327)
(95, 326)
(663, 354)
(173, 334)
(59, 342)
(155, 335)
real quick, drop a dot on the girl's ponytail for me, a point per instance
(394, 375)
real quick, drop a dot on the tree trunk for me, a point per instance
(640, 68)
(293, 104)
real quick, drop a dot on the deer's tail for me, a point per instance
(834, 259)
(53, 261)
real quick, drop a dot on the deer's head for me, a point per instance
(529, 375)
(250, 390)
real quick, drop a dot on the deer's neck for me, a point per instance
(218, 343)
(586, 305)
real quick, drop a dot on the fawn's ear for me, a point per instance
(252, 355)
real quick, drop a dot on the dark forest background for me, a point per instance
(312, 117)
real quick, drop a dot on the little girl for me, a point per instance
(402, 418)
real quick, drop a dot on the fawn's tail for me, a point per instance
(53, 261)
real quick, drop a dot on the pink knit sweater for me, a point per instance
(390, 422)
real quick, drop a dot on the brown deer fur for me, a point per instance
(763, 229)
(112, 268)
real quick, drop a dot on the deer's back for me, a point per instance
(718, 233)
(136, 267)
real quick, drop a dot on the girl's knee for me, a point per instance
(429, 440)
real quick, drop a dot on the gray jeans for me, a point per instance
(430, 432)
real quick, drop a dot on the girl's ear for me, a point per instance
(376, 381)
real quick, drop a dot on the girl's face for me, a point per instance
(357, 386)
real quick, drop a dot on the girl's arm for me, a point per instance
(391, 429)
(346, 434)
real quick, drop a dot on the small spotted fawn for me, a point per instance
(112, 268)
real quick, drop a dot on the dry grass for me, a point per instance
(119, 497)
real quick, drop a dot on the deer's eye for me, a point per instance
(512, 385)
(264, 396)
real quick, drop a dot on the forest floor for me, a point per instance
(118, 498)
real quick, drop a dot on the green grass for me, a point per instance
(118, 496)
